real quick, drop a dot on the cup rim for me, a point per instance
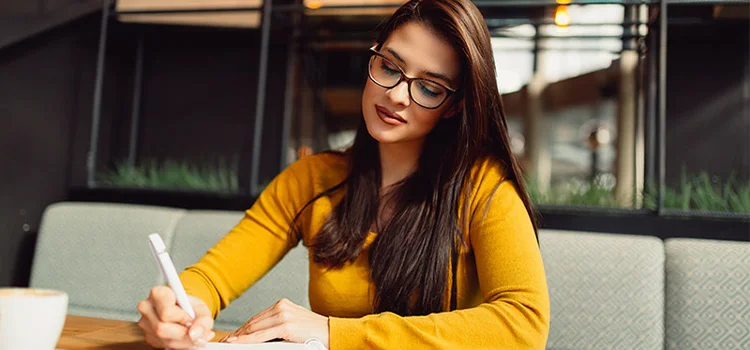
(45, 292)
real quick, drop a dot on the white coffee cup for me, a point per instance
(31, 318)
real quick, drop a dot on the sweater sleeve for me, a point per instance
(255, 245)
(515, 311)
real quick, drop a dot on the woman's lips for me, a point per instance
(389, 117)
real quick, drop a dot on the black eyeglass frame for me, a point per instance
(407, 79)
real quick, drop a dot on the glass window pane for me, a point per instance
(708, 116)
(564, 116)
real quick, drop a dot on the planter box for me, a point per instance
(645, 222)
(595, 219)
(168, 198)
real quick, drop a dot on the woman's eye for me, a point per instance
(388, 70)
(429, 90)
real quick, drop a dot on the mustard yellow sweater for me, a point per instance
(501, 287)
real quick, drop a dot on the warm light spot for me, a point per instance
(563, 2)
(562, 18)
(313, 4)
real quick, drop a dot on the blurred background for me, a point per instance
(626, 118)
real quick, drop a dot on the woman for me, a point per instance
(421, 234)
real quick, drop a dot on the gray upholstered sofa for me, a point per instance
(607, 291)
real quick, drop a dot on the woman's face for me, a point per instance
(391, 115)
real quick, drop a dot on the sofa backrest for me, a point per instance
(99, 255)
(606, 291)
(708, 294)
(198, 231)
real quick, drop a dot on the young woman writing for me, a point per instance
(420, 235)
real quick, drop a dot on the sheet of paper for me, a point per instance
(264, 346)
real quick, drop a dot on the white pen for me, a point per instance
(159, 249)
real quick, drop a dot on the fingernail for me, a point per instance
(231, 339)
(211, 336)
(196, 333)
(188, 324)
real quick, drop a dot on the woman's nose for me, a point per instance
(399, 94)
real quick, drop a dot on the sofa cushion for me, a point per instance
(606, 290)
(198, 231)
(99, 254)
(708, 294)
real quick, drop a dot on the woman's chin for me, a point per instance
(383, 134)
(384, 138)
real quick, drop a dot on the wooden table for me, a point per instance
(96, 333)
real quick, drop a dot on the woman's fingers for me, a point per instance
(278, 331)
(270, 320)
(162, 294)
(199, 306)
(162, 334)
(172, 332)
(146, 309)
(149, 319)
(165, 324)
(200, 330)
(285, 320)
(244, 328)
(166, 306)
(164, 337)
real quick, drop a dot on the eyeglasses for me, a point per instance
(424, 92)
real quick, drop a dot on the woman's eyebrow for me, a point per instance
(431, 74)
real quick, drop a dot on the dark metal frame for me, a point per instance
(107, 12)
(172, 11)
(656, 128)
(260, 100)
(656, 104)
(290, 102)
(481, 4)
(662, 115)
(137, 95)
(97, 107)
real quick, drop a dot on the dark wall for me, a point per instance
(708, 99)
(36, 115)
(20, 8)
(14, 9)
(197, 98)
(198, 104)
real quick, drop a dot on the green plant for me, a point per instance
(596, 192)
(172, 174)
(693, 192)
(699, 192)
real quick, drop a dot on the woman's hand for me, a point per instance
(166, 325)
(284, 320)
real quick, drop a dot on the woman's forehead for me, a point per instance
(422, 50)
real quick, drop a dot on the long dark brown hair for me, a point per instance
(410, 257)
